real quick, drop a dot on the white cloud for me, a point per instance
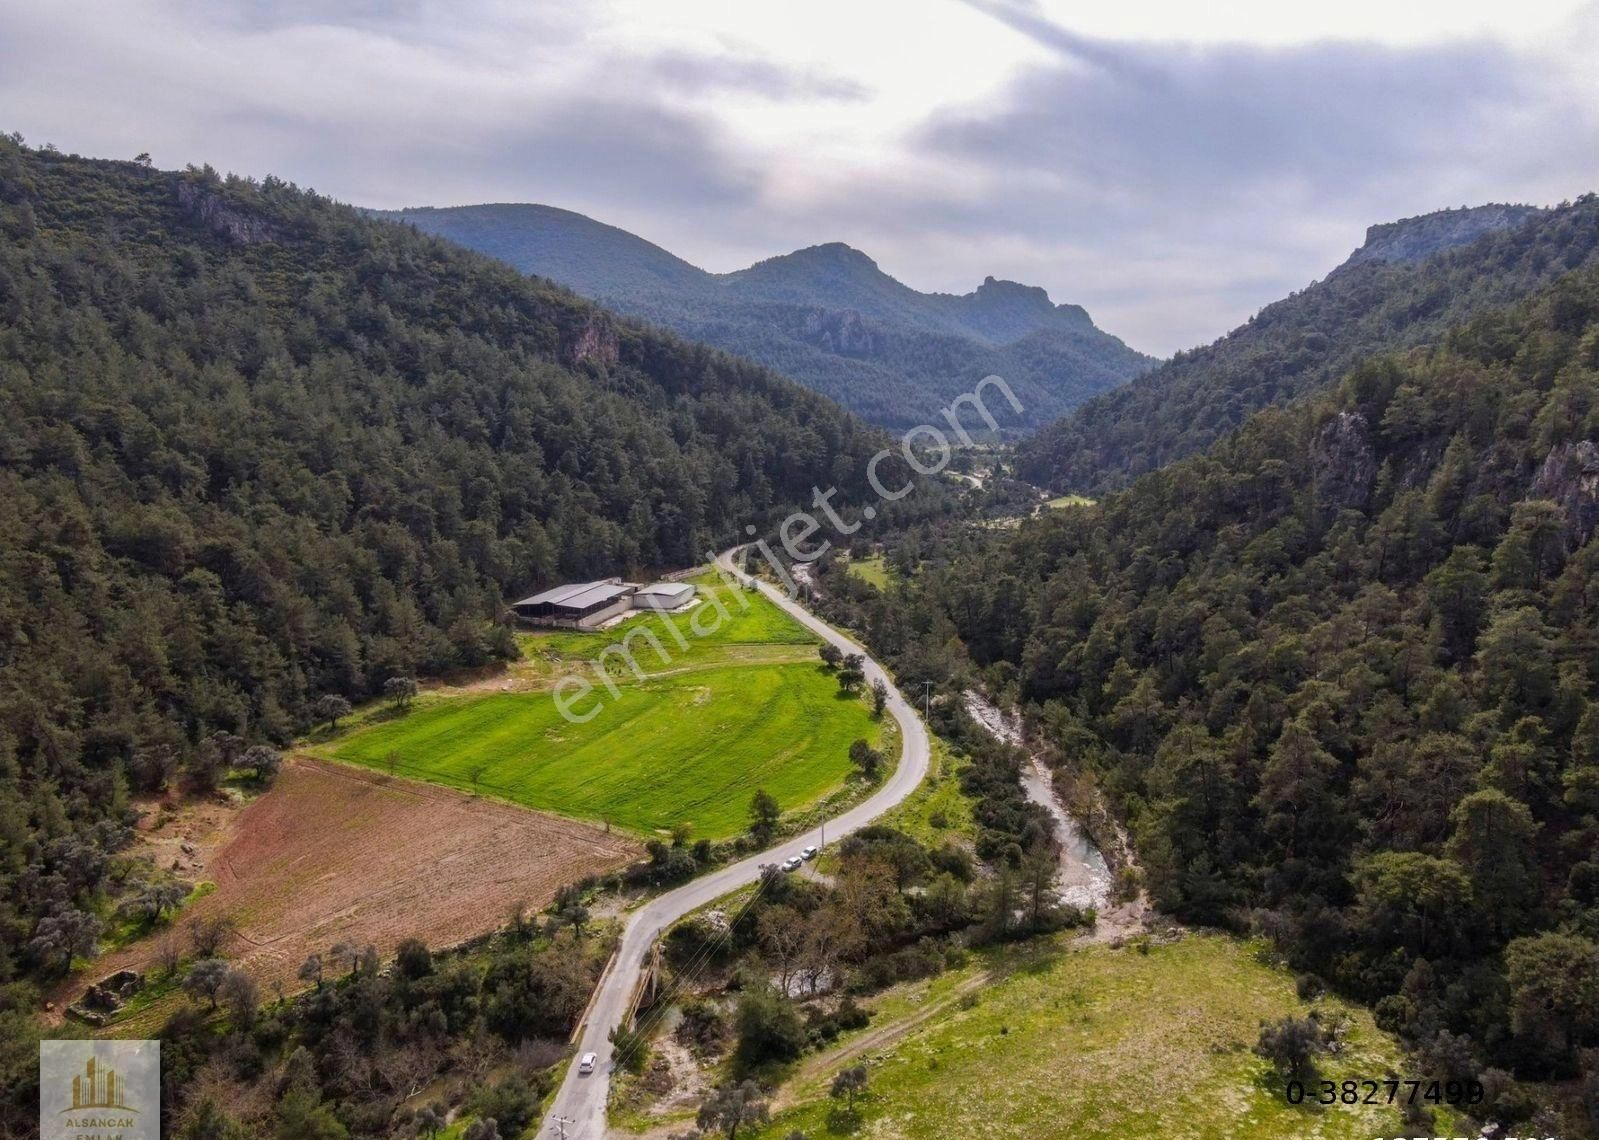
(1170, 166)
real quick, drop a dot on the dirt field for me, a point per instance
(335, 854)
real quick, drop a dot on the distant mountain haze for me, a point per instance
(1410, 282)
(827, 316)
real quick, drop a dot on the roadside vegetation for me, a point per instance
(434, 1041)
(772, 975)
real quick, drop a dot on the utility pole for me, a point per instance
(927, 700)
(561, 1122)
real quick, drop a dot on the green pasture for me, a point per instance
(1095, 1043)
(685, 748)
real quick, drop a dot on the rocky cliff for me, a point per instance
(1413, 239)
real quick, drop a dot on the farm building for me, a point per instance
(578, 605)
(663, 596)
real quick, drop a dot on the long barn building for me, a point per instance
(577, 605)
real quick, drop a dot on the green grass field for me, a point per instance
(730, 626)
(1069, 501)
(873, 570)
(745, 706)
(1094, 1043)
(691, 748)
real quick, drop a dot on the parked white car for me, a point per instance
(792, 864)
(808, 853)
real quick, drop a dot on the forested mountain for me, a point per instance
(1339, 675)
(258, 447)
(827, 315)
(1410, 283)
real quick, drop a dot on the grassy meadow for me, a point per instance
(1087, 1043)
(745, 706)
(689, 748)
(1063, 501)
(873, 570)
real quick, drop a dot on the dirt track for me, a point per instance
(336, 854)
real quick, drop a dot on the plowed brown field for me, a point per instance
(335, 854)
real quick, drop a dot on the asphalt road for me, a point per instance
(581, 1098)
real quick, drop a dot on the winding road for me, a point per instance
(579, 1105)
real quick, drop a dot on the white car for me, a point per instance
(808, 853)
(586, 1064)
(792, 864)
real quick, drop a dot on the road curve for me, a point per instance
(581, 1099)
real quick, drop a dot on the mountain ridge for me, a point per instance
(1418, 278)
(826, 314)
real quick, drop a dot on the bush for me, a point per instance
(953, 859)
(1309, 987)
(702, 1028)
(1291, 1046)
(923, 960)
(824, 1027)
(769, 1029)
(632, 1048)
(513, 1103)
(413, 959)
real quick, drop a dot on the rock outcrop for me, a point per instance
(594, 342)
(843, 332)
(1343, 464)
(1413, 239)
(1570, 476)
(222, 217)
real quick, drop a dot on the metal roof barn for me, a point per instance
(580, 604)
(663, 596)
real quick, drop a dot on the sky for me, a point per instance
(1172, 167)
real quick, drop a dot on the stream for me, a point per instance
(1085, 878)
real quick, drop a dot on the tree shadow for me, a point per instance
(844, 1121)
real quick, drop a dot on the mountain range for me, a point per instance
(826, 316)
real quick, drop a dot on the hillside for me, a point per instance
(826, 315)
(259, 448)
(1409, 283)
(1339, 676)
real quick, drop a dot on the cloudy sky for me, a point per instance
(1171, 166)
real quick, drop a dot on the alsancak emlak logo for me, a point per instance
(99, 1090)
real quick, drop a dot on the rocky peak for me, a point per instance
(1021, 308)
(1413, 239)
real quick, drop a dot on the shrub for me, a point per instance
(769, 1029)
